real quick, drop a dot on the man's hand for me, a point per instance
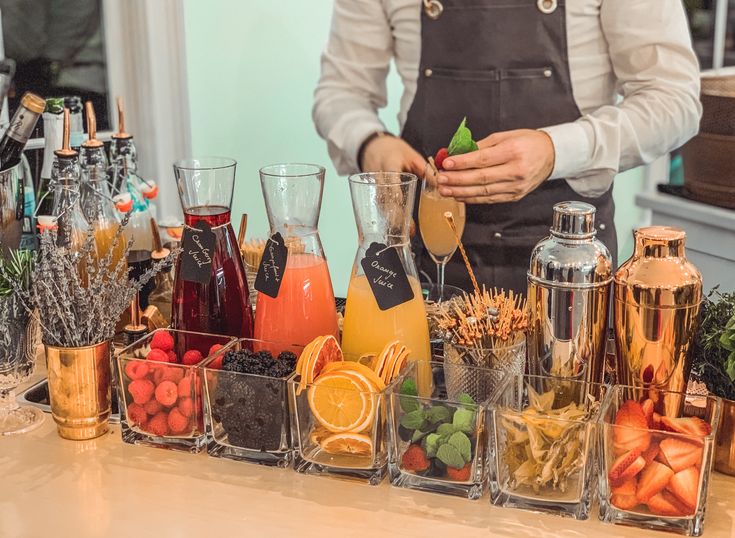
(392, 154)
(506, 167)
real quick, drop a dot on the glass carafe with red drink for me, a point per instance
(210, 288)
(301, 306)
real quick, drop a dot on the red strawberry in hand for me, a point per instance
(440, 156)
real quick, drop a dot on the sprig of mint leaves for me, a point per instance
(444, 432)
(462, 141)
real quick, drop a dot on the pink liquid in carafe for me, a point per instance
(222, 305)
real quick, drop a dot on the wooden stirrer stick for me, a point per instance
(450, 220)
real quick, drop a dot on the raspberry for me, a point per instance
(166, 393)
(214, 349)
(440, 156)
(157, 355)
(217, 363)
(158, 425)
(162, 340)
(136, 369)
(141, 390)
(136, 414)
(459, 475)
(192, 357)
(168, 373)
(414, 459)
(186, 406)
(184, 388)
(152, 407)
(177, 422)
(172, 357)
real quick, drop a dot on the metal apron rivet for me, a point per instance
(497, 235)
(547, 73)
(547, 6)
(428, 72)
(602, 226)
(434, 8)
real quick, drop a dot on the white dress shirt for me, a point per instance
(634, 74)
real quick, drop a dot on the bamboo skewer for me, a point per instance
(450, 220)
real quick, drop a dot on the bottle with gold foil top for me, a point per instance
(569, 297)
(161, 296)
(658, 293)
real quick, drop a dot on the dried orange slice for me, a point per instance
(318, 434)
(398, 362)
(383, 357)
(371, 378)
(353, 444)
(326, 351)
(341, 402)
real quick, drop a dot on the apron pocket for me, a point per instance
(524, 101)
(452, 94)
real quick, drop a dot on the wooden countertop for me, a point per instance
(53, 487)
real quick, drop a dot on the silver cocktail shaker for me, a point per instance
(568, 296)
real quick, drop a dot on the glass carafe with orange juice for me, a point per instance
(384, 299)
(295, 299)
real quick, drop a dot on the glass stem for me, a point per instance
(440, 280)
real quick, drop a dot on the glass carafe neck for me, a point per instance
(293, 197)
(383, 205)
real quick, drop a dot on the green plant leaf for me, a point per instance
(446, 429)
(462, 140)
(464, 420)
(726, 343)
(462, 443)
(467, 400)
(431, 444)
(417, 436)
(450, 456)
(438, 413)
(413, 420)
(407, 398)
(730, 366)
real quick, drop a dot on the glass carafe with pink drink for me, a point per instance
(210, 289)
(295, 297)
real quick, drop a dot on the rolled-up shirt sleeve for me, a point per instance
(352, 85)
(658, 81)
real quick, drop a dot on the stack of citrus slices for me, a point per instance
(343, 395)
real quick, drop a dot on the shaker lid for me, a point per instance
(571, 256)
(574, 219)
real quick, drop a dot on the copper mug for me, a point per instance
(657, 297)
(79, 382)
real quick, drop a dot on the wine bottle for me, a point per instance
(53, 133)
(20, 129)
(76, 123)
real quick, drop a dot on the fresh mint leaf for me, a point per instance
(446, 429)
(450, 456)
(464, 420)
(461, 442)
(438, 413)
(467, 401)
(417, 436)
(431, 444)
(407, 398)
(462, 140)
(413, 420)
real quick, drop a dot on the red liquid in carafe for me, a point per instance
(222, 305)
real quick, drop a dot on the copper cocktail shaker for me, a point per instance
(657, 293)
(569, 296)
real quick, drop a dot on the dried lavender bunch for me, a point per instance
(80, 297)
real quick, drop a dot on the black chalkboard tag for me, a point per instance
(272, 266)
(386, 276)
(197, 253)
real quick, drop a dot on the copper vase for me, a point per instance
(79, 389)
(657, 296)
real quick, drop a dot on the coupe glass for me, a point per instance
(18, 345)
(438, 237)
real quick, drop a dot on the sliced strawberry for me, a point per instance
(626, 467)
(651, 452)
(627, 487)
(440, 156)
(656, 422)
(665, 504)
(680, 454)
(652, 480)
(694, 426)
(631, 428)
(685, 486)
(647, 407)
(624, 502)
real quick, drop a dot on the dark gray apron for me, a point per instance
(504, 65)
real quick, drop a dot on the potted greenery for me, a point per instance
(714, 365)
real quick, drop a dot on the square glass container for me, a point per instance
(161, 402)
(655, 471)
(439, 444)
(543, 438)
(358, 451)
(247, 415)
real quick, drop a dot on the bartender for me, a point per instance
(561, 95)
